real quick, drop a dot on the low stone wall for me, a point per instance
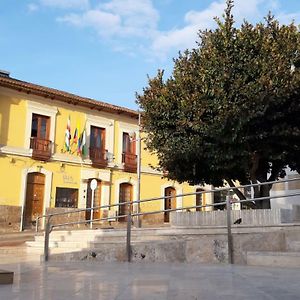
(66, 218)
(261, 217)
(10, 218)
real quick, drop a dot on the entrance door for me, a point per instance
(34, 198)
(97, 201)
(125, 196)
(170, 203)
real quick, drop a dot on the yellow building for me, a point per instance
(53, 143)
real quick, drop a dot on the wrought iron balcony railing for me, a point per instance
(130, 162)
(98, 157)
(41, 148)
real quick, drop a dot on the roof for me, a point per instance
(53, 94)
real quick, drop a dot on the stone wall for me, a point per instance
(66, 218)
(152, 219)
(10, 218)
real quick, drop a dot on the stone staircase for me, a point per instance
(267, 246)
(13, 247)
(66, 241)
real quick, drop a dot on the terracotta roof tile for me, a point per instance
(27, 87)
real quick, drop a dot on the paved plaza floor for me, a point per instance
(120, 281)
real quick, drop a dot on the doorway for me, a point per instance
(170, 203)
(34, 203)
(200, 200)
(97, 200)
(125, 195)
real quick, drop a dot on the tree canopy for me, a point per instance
(230, 110)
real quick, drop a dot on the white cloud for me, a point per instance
(66, 4)
(185, 37)
(118, 18)
(285, 18)
(133, 24)
(106, 24)
(32, 7)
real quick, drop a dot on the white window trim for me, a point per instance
(107, 124)
(40, 109)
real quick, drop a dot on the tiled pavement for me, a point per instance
(120, 281)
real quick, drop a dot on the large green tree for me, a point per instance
(230, 111)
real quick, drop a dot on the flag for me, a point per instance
(68, 136)
(82, 146)
(76, 139)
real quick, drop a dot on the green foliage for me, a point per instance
(231, 109)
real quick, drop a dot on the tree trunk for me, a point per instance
(265, 192)
(257, 174)
(240, 195)
(236, 191)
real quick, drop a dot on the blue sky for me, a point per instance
(104, 49)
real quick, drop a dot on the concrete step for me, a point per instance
(40, 250)
(273, 259)
(294, 246)
(13, 250)
(16, 238)
(58, 244)
(86, 236)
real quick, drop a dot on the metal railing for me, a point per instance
(49, 227)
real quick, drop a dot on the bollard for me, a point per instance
(229, 234)
(128, 239)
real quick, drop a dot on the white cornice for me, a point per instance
(15, 150)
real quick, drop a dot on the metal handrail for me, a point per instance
(167, 197)
(173, 209)
(49, 226)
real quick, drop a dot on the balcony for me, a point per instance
(98, 157)
(130, 162)
(41, 148)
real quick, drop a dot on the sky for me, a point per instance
(105, 49)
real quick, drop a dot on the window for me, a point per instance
(97, 137)
(40, 127)
(66, 197)
(128, 144)
(39, 140)
(129, 158)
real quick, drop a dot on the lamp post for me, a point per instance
(139, 159)
(137, 138)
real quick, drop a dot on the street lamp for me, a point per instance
(139, 159)
(138, 139)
